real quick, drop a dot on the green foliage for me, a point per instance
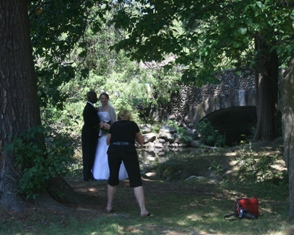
(57, 27)
(182, 133)
(67, 122)
(71, 47)
(38, 162)
(217, 168)
(132, 85)
(259, 167)
(181, 38)
(208, 135)
(205, 36)
(156, 127)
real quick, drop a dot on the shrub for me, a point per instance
(208, 135)
(259, 167)
(39, 162)
(183, 134)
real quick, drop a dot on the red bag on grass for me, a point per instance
(246, 208)
(249, 204)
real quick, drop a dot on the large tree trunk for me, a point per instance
(266, 81)
(287, 109)
(19, 109)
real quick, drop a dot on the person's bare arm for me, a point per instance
(108, 139)
(139, 138)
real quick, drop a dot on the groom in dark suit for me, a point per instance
(90, 135)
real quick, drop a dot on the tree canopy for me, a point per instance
(213, 34)
(57, 28)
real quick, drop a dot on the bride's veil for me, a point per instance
(110, 110)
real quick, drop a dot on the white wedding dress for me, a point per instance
(100, 169)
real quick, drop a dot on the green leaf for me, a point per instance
(243, 30)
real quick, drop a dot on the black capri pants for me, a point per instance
(128, 155)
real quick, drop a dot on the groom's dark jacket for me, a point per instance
(91, 122)
(89, 139)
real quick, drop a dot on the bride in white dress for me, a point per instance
(100, 169)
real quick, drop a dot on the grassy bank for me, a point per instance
(195, 206)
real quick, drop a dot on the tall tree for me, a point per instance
(53, 39)
(287, 103)
(216, 34)
(18, 91)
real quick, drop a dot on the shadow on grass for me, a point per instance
(196, 206)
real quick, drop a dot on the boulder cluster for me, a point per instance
(166, 138)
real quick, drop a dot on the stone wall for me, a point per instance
(191, 104)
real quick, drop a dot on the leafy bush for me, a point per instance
(183, 134)
(216, 168)
(38, 162)
(208, 135)
(258, 167)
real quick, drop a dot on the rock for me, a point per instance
(149, 137)
(195, 144)
(198, 178)
(168, 129)
(145, 128)
(158, 145)
(166, 136)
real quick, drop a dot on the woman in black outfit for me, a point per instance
(121, 141)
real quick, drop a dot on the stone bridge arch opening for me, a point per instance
(237, 123)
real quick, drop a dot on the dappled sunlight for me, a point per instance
(151, 174)
(279, 167)
(233, 162)
(180, 206)
(130, 229)
(267, 210)
(92, 189)
(196, 217)
(231, 154)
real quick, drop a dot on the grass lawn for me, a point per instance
(193, 207)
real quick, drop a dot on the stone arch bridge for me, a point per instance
(230, 105)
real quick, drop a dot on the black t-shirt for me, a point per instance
(123, 131)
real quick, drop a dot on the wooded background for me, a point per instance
(53, 52)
